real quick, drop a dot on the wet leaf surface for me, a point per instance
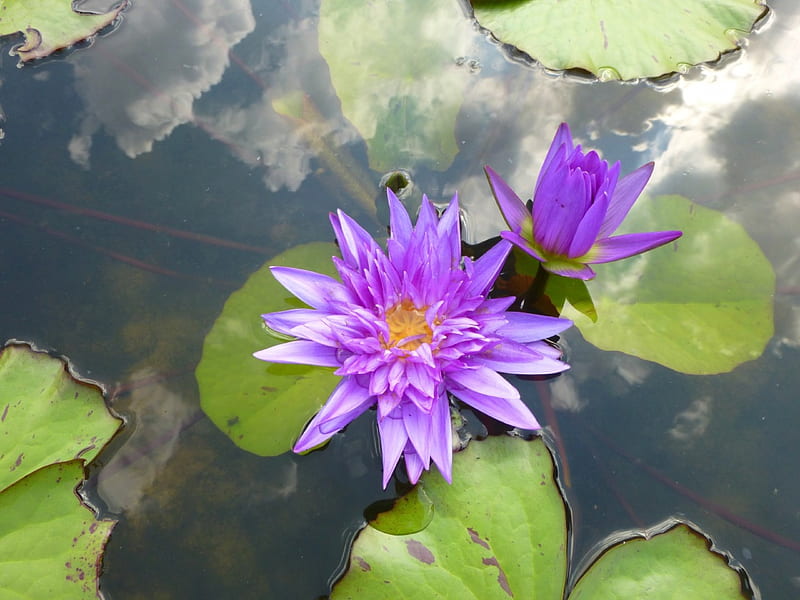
(620, 40)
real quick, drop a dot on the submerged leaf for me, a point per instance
(262, 407)
(50, 25)
(620, 40)
(701, 305)
(410, 513)
(398, 82)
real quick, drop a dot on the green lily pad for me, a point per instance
(655, 566)
(51, 424)
(46, 415)
(50, 544)
(620, 40)
(500, 531)
(261, 406)
(700, 305)
(49, 25)
(394, 71)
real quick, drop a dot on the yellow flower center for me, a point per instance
(408, 328)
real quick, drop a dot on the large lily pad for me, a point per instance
(500, 531)
(50, 25)
(700, 305)
(50, 545)
(393, 68)
(620, 40)
(261, 406)
(51, 424)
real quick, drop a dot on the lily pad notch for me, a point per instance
(48, 26)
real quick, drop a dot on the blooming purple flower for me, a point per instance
(404, 328)
(578, 203)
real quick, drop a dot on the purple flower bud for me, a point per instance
(578, 202)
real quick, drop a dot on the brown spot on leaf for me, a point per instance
(5, 413)
(420, 551)
(17, 462)
(501, 575)
(477, 538)
(363, 565)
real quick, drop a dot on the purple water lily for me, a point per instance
(578, 203)
(404, 328)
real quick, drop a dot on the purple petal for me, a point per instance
(448, 230)
(284, 321)
(355, 243)
(427, 219)
(588, 228)
(511, 411)
(441, 437)
(414, 465)
(421, 377)
(512, 207)
(625, 194)
(545, 349)
(315, 289)
(558, 207)
(418, 428)
(399, 221)
(301, 352)
(393, 441)
(563, 138)
(483, 380)
(347, 401)
(623, 246)
(523, 244)
(525, 327)
(518, 359)
(488, 267)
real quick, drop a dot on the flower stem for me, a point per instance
(536, 291)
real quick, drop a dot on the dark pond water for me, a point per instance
(170, 122)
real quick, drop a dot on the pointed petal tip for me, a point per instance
(511, 205)
(629, 244)
(447, 474)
